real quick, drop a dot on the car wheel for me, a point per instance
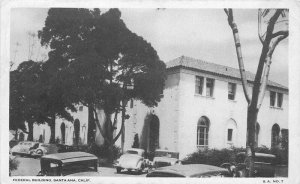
(119, 170)
(39, 152)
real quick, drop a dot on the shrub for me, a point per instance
(13, 165)
(103, 152)
(217, 157)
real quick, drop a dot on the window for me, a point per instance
(279, 99)
(231, 91)
(210, 87)
(199, 85)
(272, 98)
(276, 99)
(202, 131)
(275, 135)
(229, 135)
(80, 108)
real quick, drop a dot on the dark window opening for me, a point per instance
(279, 99)
(229, 135)
(231, 91)
(199, 85)
(272, 98)
(210, 87)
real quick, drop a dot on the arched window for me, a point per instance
(257, 129)
(275, 135)
(202, 132)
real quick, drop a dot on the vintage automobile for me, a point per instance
(190, 170)
(264, 165)
(69, 164)
(132, 159)
(41, 149)
(164, 158)
(23, 148)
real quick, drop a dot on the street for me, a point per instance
(31, 167)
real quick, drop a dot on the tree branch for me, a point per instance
(280, 33)
(262, 59)
(267, 69)
(234, 28)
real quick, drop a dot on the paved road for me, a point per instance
(30, 167)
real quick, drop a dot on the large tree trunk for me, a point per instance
(250, 144)
(91, 126)
(30, 131)
(52, 129)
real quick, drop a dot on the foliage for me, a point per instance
(13, 164)
(217, 157)
(98, 57)
(103, 152)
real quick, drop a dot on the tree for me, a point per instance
(25, 101)
(106, 64)
(269, 40)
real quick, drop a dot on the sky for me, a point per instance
(199, 33)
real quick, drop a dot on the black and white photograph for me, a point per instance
(143, 92)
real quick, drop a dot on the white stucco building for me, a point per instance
(203, 105)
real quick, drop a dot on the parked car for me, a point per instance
(23, 148)
(189, 170)
(264, 165)
(132, 159)
(69, 164)
(41, 149)
(164, 158)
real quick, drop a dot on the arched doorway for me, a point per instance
(275, 135)
(63, 132)
(76, 131)
(21, 136)
(149, 138)
(257, 129)
(153, 133)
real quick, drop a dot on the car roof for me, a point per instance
(68, 157)
(168, 151)
(191, 169)
(259, 155)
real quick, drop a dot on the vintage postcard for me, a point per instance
(150, 91)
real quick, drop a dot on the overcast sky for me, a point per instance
(198, 33)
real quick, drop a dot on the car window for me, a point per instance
(166, 154)
(131, 152)
(264, 159)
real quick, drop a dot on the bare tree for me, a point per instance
(269, 39)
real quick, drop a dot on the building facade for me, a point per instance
(203, 106)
